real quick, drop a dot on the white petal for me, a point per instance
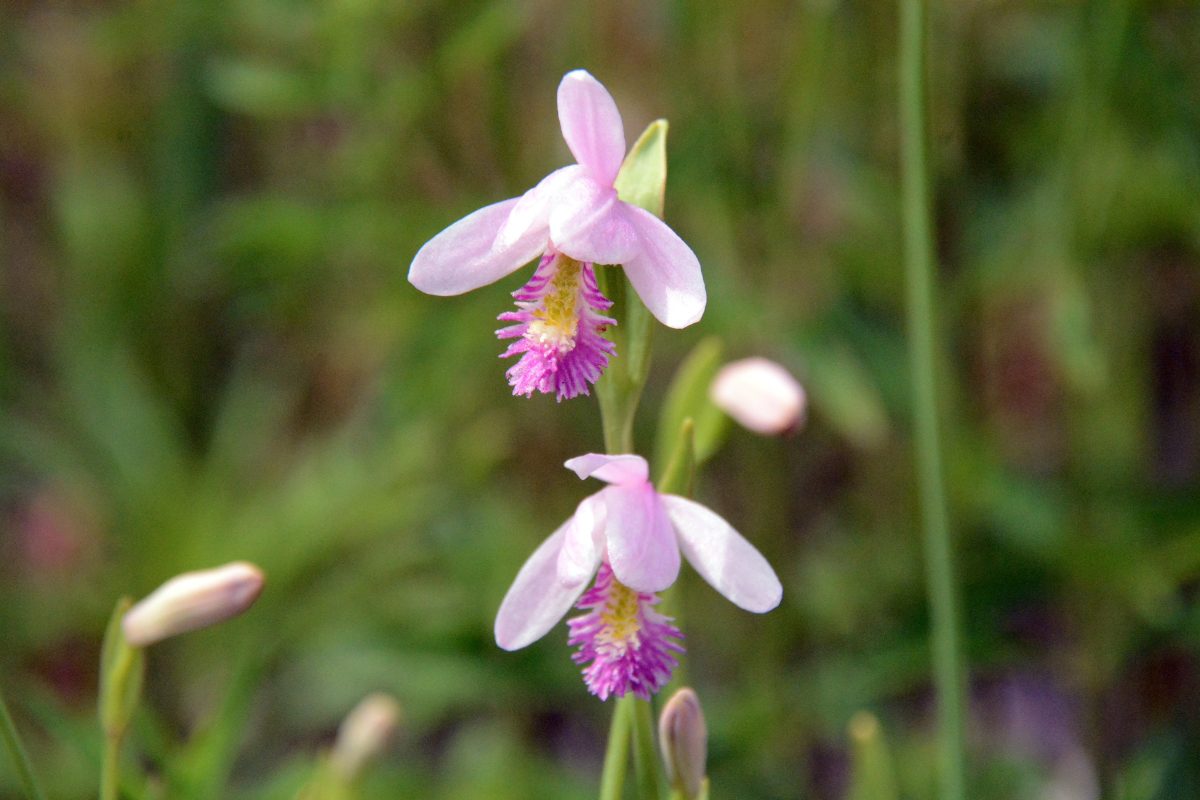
(581, 550)
(642, 550)
(537, 599)
(462, 257)
(620, 469)
(722, 556)
(665, 272)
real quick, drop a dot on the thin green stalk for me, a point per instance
(919, 268)
(631, 718)
(616, 756)
(677, 794)
(645, 758)
(122, 670)
(110, 769)
(619, 389)
(123, 663)
(16, 750)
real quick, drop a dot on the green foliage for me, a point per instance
(687, 398)
(642, 180)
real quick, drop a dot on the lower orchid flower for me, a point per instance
(630, 537)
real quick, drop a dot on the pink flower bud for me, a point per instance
(760, 394)
(683, 737)
(364, 733)
(193, 600)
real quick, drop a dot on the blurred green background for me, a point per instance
(209, 351)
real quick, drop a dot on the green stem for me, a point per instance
(618, 392)
(110, 769)
(16, 750)
(678, 794)
(642, 182)
(645, 759)
(618, 435)
(619, 389)
(616, 756)
(919, 263)
(114, 734)
(632, 723)
(122, 670)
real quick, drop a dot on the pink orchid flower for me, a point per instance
(573, 220)
(632, 536)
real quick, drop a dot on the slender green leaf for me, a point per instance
(687, 397)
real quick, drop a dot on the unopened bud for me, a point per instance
(683, 738)
(364, 734)
(760, 394)
(193, 600)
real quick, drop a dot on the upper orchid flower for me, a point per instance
(574, 220)
(633, 535)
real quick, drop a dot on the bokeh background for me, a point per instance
(209, 351)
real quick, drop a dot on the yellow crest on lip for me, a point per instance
(557, 320)
(620, 616)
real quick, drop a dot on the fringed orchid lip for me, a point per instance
(626, 644)
(559, 330)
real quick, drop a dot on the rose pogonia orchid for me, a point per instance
(632, 536)
(574, 220)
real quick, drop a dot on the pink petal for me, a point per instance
(620, 469)
(665, 272)
(642, 550)
(589, 223)
(727, 561)
(462, 258)
(591, 125)
(532, 212)
(580, 554)
(537, 599)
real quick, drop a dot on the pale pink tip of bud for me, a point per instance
(191, 601)
(364, 734)
(683, 737)
(760, 394)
